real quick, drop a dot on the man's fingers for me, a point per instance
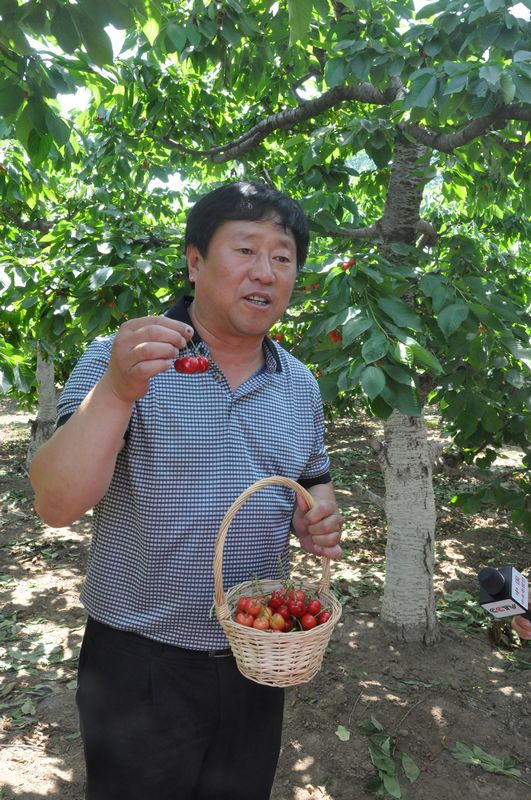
(161, 323)
(302, 504)
(152, 351)
(153, 329)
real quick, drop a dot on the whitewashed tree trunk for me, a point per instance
(43, 425)
(408, 606)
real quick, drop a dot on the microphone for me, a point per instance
(504, 592)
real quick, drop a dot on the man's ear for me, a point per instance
(193, 260)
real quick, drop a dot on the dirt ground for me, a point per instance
(379, 720)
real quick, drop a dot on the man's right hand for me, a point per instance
(142, 348)
(521, 625)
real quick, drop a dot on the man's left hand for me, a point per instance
(319, 528)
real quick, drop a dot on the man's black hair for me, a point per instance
(245, 200)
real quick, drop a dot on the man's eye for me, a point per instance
(283, 259)
(246, 251)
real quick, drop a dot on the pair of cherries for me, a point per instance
(191, 364)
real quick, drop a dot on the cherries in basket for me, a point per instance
(283, 610)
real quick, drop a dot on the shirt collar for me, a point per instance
(179, 311)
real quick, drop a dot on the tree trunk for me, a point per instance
(43, 425)
(404, 194)
(408, 606)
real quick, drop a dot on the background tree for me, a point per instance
(405, 137)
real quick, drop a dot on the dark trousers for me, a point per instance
(162, 723)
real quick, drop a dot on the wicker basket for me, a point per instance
(273, 659)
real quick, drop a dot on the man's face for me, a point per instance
(244, 283)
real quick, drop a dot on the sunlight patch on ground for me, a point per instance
(10, 775)
(303, 763)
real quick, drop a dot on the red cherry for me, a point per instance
(308, 622)
(187, 364)
(314, 607)
(202, 364)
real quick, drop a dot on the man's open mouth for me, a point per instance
(258, 300)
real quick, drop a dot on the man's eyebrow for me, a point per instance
(282, 237)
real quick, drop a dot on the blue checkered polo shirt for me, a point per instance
(192, 447)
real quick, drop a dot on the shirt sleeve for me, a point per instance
(317, 469)
(89, 369)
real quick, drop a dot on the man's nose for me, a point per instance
(262, 267)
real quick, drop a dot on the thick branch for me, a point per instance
(425, 229)
(447, 142)
(371, 232)
(427, 232)
(364, 495)
(362, 93)
(41, 225)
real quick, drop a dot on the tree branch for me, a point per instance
(372, 232)
(41, 225)
(364, 495)
(362, 93)
(427, 232)
(447, 142)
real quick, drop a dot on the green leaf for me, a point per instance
(411, 770)
(491, 420)
(522, 86)
(342, 733)
(517, 350)
(95, 39)
(478, 757)
(398, 374)
(370, 725)
(354, 328)
(380, 759)
(177, 36)
(401, 314)
(328, 387)
(403, 398)
(491, 73)
(392, 785)
(428, 10)
(494, 5)
(422, 92)
(120, 14)
(335, 71)
(100, 277)
(28, 708)
(456, 85)
(507, 87)
(64, 29)
(421, 356)
(452, 317)
(11, 98)
(372, 380)
(300, 16)
(375, 347)
(58, 129)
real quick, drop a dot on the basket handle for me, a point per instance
(219, 593)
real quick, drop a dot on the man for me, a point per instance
(160, 456)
